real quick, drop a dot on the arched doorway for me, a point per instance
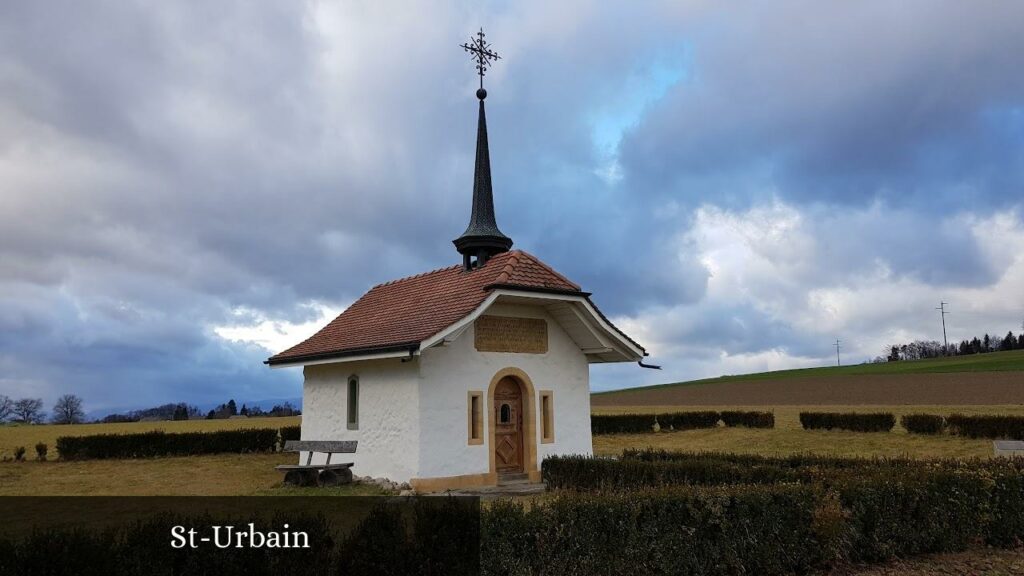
(508, 426)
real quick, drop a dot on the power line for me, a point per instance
(945, 343)
(837, 352)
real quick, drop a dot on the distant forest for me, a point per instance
(182, 411)
(921, 349)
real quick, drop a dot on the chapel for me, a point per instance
(465, 376)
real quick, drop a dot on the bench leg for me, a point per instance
(301, 477)
(335, 477)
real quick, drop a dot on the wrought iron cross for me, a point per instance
(482, 53)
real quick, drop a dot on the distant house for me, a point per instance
(465, 376)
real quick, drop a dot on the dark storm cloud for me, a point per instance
(168, 169)
(841, 103)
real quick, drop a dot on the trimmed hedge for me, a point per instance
(290, 433)
(858, 516)
(854, 421)
(923, 423)
(621, 423)
(746, 530)
(749, 419)
(1011, 427)
(642, 423)
(587, 473)
(159, 443)
(688, 420)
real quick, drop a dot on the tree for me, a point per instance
(6, 407)
(1009, 342)
(68, 410)
(29, 410)
(244, 411)
(232, 408)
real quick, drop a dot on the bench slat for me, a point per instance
(325, 446)
(286, 467)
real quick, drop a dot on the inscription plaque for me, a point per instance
(510, 334)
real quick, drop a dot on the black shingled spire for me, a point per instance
(482, 239)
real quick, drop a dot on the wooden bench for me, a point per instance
(326, 474)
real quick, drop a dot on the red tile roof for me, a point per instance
(402, 313)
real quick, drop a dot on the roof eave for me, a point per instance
(349, 355)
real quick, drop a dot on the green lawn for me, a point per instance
(1012, 361)
(788, 437)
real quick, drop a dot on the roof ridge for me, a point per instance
(541, 263)
(414, 276)
(509, 267)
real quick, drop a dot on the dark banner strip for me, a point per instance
(249, 536)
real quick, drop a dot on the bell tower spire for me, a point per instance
(482, 238)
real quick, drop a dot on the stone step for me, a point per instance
(509, 479)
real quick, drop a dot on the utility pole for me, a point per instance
(837, 352)
(945, 343)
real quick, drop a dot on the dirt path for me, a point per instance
(966, 388)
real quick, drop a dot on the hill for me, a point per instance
(993, 378)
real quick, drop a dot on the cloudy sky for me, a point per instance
(187, 187)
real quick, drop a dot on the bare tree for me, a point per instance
(29, 410)
(6, 407)
(68, 410)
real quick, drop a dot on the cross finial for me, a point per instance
(481, 52)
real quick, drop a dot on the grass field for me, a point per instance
(254, 474)
(215, 475)
(1012, 361)
(13, 435)
(789, 438)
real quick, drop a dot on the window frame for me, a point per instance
(475, 419)
(547, 416)
(352, 408)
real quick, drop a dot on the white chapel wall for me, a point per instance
(388, 414)
(447, 373)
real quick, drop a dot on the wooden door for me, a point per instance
(508, 426)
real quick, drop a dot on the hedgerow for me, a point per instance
(588, 473)
(621, 423)
(641, 423)
(688, 420)
(748, 419)
(159, 443)
(862, 509)
(290, 433)
(844, 515)
(1011, 427)
(923, 423)
(854, 421)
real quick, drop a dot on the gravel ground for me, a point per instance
(971, 563)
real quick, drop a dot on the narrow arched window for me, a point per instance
(353, 403)
(506, 414)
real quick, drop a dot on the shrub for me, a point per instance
(640, 423)
(621, 423)
(854, 421)
(740, 530)
(290, 433)
(923, 423)
(1011, 427)
(823, 511)
(749, 419)
(688, 420)
(587, 473)
(158, 443)
(19, 454)
(41, 450)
